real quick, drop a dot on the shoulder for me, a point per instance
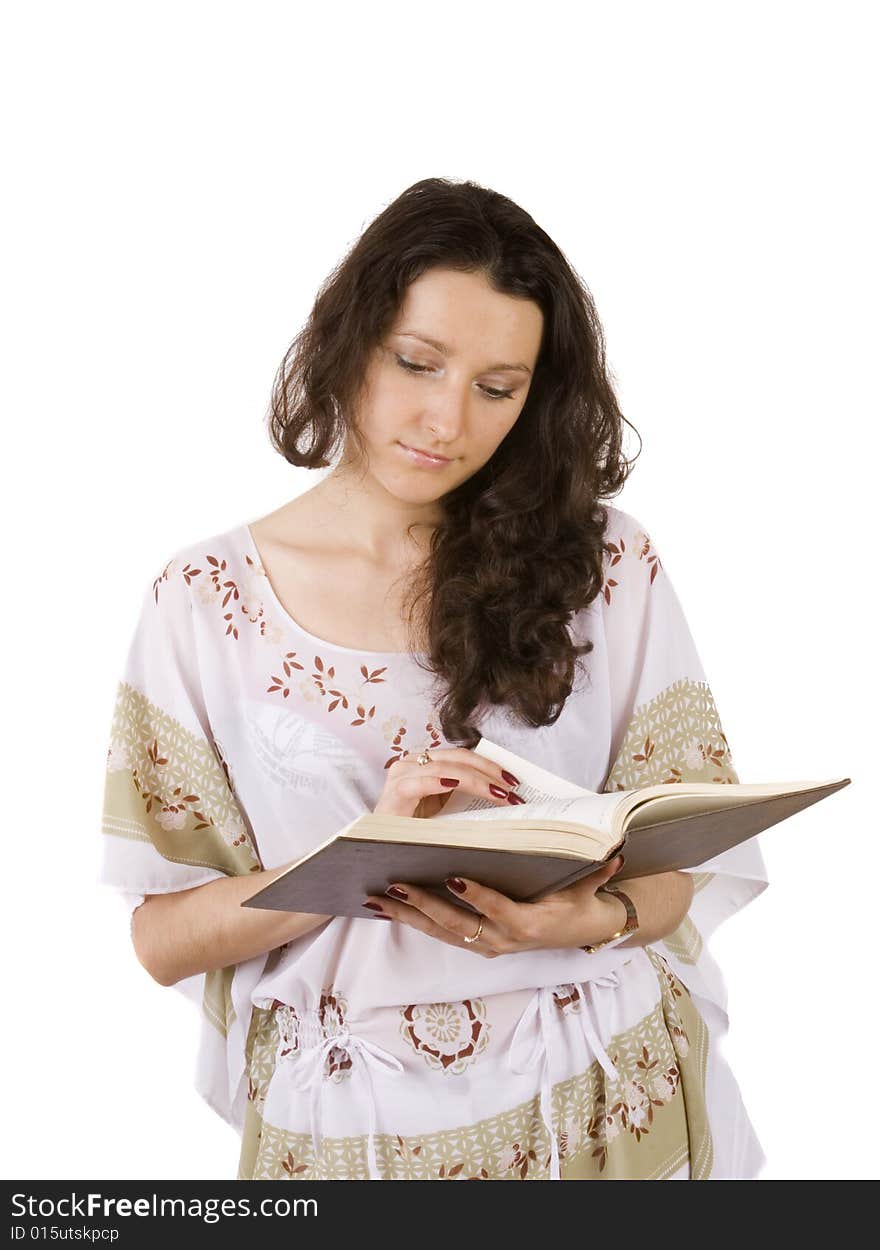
(183, 575)
(627, 535)
(626, 531)
(632, 561)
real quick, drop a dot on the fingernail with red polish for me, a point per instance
(449, 781)
(498, 792)
(395, 892)
(456, 883)
(509, 778)
(515, 799)
(373, 906)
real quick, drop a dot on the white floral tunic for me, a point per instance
(366, 1049)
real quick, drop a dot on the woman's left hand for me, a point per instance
(571, 917)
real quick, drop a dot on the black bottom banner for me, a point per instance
(132, 1213)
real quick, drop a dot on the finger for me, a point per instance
(453, 919)
(606, 872)
(417, 919)
(463, 759)
(510, 918)
(582, 890)
(434, 778)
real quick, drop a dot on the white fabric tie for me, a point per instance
(540, 1013)
(307, 1073)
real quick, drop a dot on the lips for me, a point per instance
(432, 454)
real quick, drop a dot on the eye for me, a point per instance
(411, 367)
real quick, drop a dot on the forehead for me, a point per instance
(466, 315)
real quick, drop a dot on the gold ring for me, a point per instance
(423, 758)
(478, 932)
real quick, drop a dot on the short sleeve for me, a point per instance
(666, 729)
(171, 819)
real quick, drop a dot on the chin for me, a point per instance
(415, 494)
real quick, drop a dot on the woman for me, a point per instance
(345, 654)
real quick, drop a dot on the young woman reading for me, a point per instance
(454, 575)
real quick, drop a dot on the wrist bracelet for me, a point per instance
(632, 919)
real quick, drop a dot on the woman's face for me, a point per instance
(456, 396)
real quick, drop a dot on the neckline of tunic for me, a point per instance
(245, 534)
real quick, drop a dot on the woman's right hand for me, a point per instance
(413, 789)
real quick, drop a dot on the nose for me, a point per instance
(446, 416)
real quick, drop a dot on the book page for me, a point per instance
(593, 810)
(546, 796)
(536, 784)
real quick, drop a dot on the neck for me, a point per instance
(375, 524)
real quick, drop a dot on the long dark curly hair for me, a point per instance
(521, 544)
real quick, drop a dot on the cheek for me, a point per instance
(389, 404)
(495, 429)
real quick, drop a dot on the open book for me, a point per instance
(560, 834)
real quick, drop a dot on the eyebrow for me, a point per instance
(444, 351)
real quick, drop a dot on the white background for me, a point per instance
(181, 177)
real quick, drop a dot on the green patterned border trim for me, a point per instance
(646, 1125)
(217, 1005)
(167, 786)
(674, 737)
